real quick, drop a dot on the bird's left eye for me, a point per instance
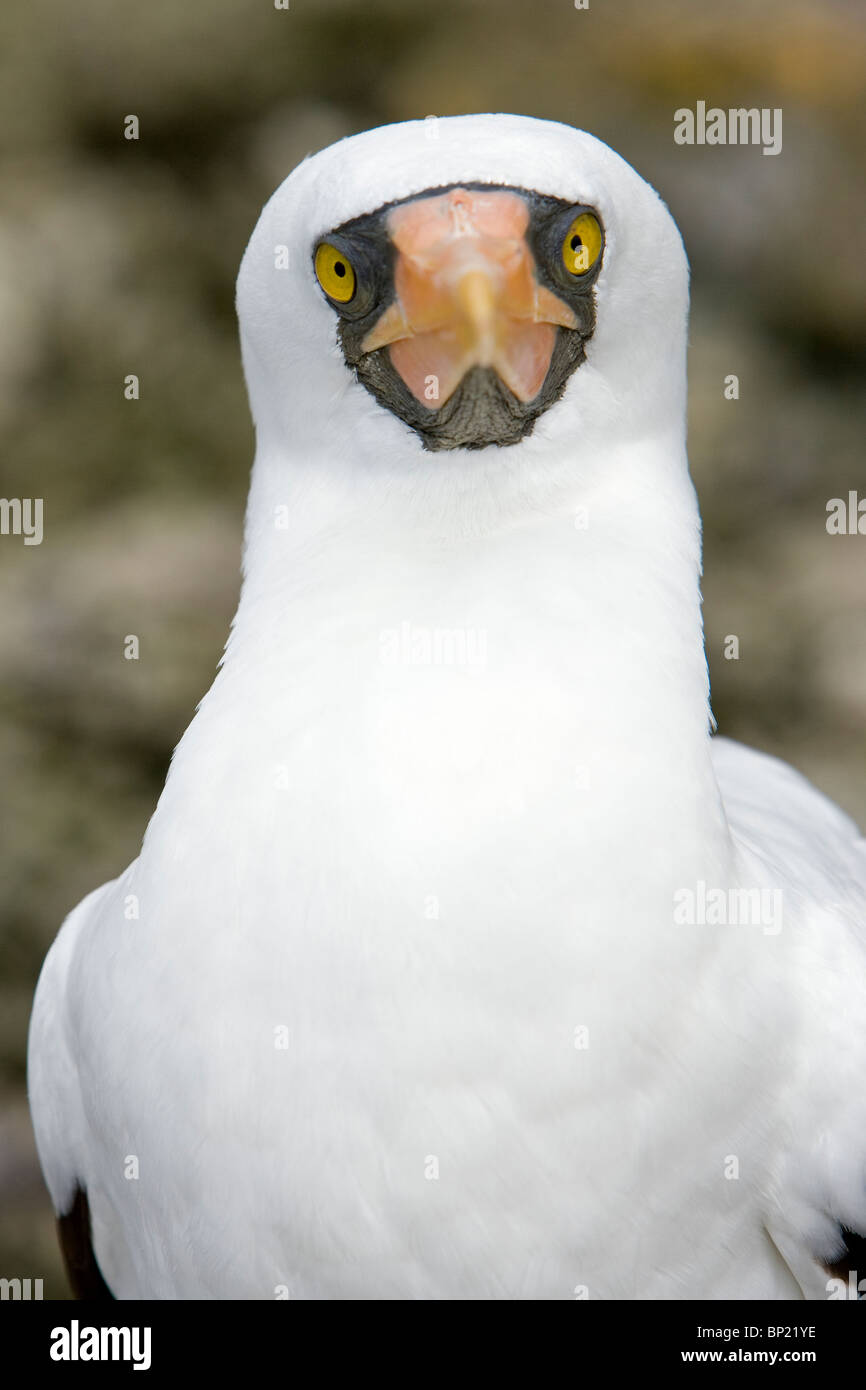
(582, 244)
(334, 273)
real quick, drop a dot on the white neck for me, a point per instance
(572, 670)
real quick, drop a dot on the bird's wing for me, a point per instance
(777, 813)
(56, 1103)
(817, 1215)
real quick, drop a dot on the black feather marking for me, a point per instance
(76, 1243)
(853, 1258)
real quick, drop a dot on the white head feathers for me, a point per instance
(305, 399)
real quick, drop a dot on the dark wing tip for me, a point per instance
(83, 1272)
(852, 1259)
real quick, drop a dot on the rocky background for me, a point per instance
(119, 257)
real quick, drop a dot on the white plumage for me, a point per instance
(406, 1012)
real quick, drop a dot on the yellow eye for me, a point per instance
(582, 244)
(334, 273)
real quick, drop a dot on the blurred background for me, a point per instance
(119, 257)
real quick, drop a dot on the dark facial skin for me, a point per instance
(482, 411)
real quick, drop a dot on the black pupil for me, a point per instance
(339, 268)
(575, 242)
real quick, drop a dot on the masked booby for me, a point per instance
(464, 963)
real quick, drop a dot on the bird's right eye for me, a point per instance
(334, 272)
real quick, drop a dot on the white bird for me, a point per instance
(460, 961)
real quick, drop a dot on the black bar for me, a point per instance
(297, 1338)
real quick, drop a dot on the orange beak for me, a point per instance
(467, 296)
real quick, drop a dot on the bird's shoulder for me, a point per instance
(52, 1063)
(816, 850)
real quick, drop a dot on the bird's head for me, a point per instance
(463, 283)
